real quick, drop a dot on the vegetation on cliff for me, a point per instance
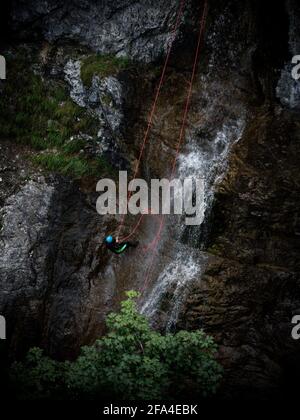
(39, 113)
(102, 65)
(130, 362)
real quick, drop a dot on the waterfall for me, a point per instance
(205, 159)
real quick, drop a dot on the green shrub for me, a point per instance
(39, 377)
(130, 362)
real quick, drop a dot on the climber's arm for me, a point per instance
(121, 249)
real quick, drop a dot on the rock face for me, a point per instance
(24, 241)
(138, 29)
(105, 100)
(52, 291)
(250, 290)
(57, 281)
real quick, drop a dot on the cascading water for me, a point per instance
(203, 159)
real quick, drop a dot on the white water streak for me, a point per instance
(205, 159)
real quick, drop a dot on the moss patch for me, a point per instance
(68, 165)
(74, 166)
(37, 112)
(102, 65)
(215, 249)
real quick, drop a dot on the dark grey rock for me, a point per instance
(58, 283)
(137, 29)
(51, 238)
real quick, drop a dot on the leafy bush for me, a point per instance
(130, 362)
(39, 377)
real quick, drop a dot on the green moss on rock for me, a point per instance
(40, 114)
(72, 165)
(102, 65)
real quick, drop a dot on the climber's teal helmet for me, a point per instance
(109, 239)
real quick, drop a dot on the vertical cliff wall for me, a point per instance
(236, 275)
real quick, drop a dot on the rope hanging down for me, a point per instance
(152, 112)
(182, 133)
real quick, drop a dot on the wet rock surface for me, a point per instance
(250, 290)
(49, 262)
(57, 280)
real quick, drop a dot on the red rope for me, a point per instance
(179, 15)
(182, 132)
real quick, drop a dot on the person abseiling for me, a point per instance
(118, 247)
